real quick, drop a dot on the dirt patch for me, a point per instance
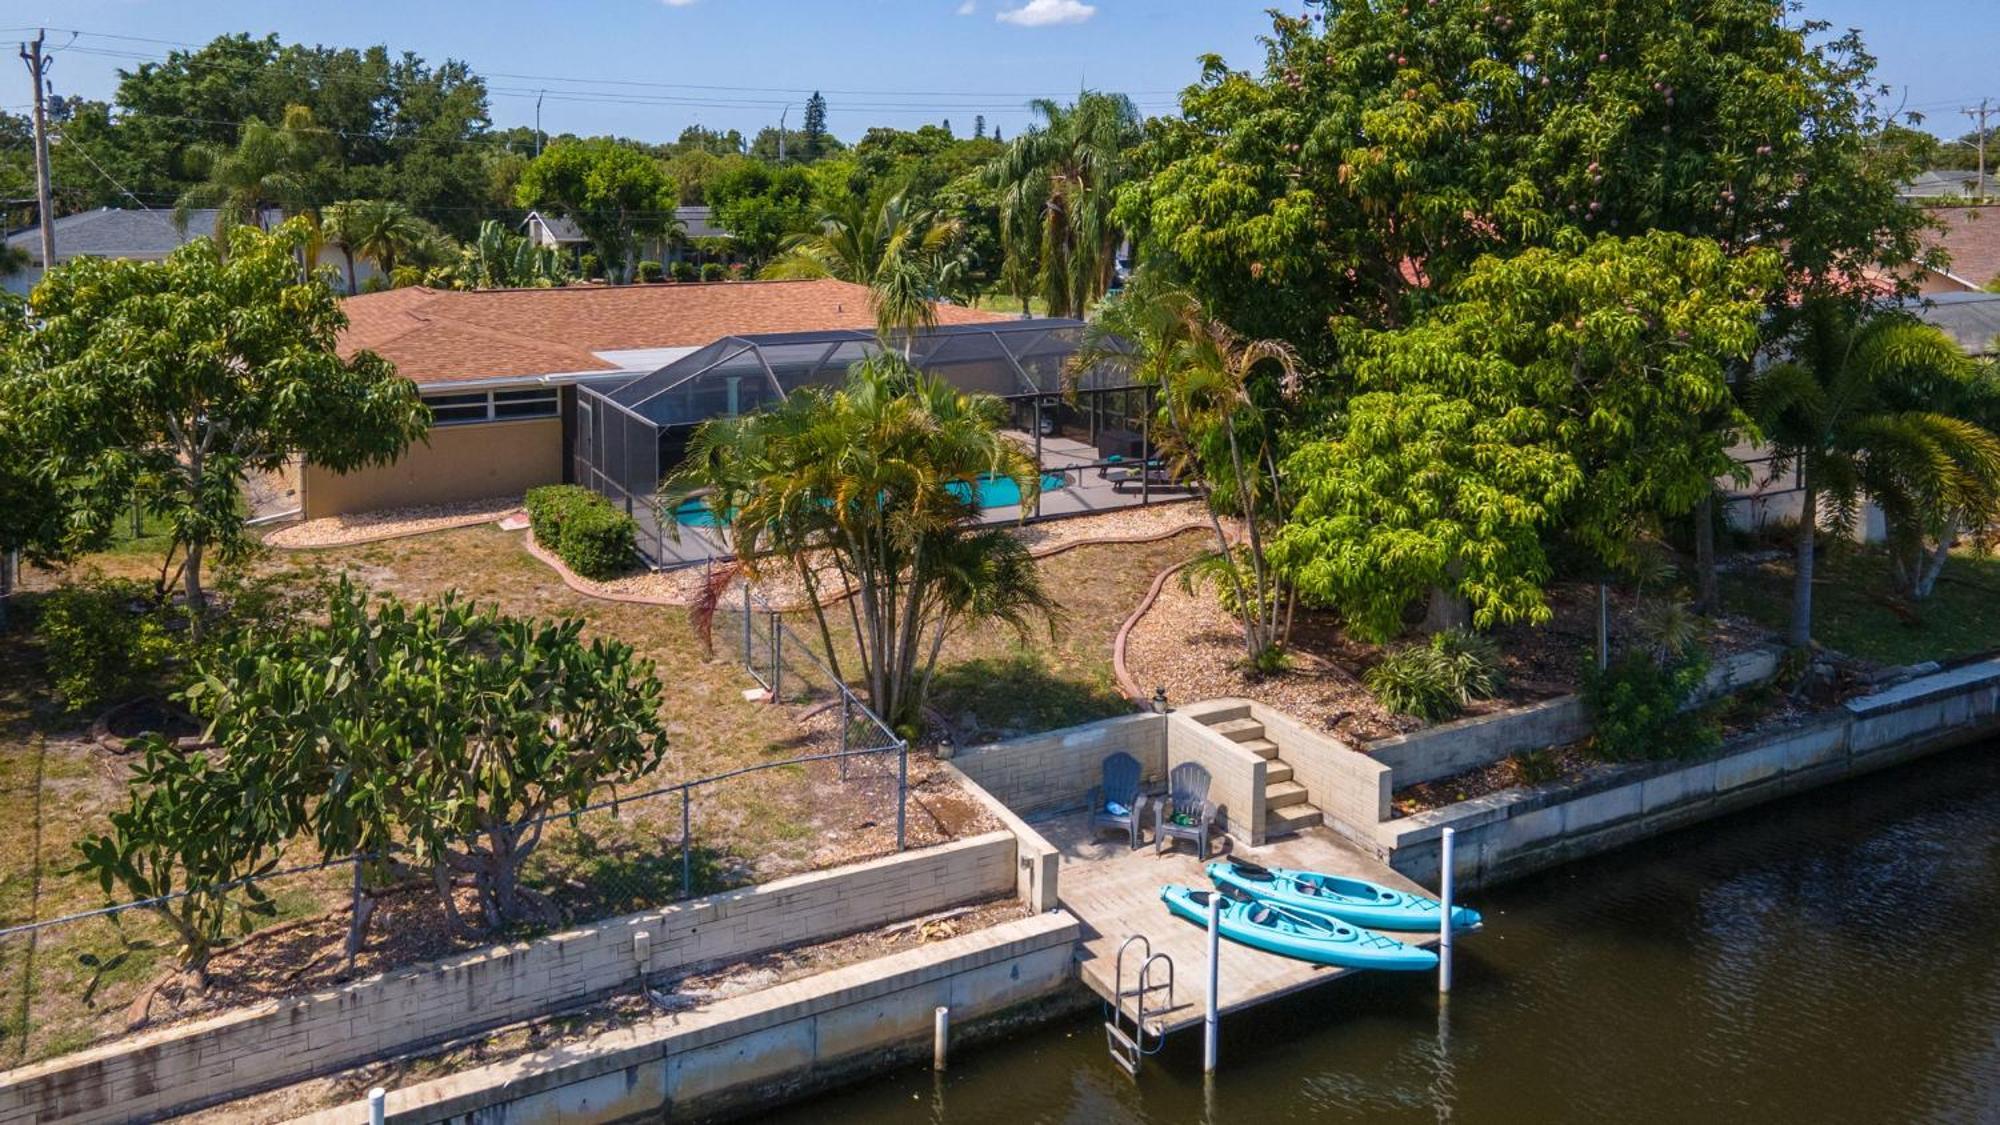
(1566, 765)
(692, 990)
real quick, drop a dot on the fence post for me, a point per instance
(846, 720)
(687, 843)
(777, 656)
(749, 661)
(902, 792)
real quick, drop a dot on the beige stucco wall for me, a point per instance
(459, 463)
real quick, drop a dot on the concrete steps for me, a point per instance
(1285, 807)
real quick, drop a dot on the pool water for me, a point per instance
(987, 490)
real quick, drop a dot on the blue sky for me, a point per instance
(737, 63)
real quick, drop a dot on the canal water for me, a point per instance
(1831, 958)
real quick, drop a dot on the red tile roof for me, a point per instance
(446, 336)
(1971, 235)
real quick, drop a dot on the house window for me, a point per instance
(490, 406)
(539, 402)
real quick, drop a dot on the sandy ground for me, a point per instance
(367, 527)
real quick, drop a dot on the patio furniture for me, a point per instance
(1118, 790)
(1185, 813)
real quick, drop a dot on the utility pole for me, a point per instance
(1979, 113)
(539, 95)
(38, 69)
(781, 132)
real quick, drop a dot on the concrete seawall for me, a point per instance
(1511, 833)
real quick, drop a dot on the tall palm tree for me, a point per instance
(269, 166)
(1201, 373)
(383, 231)
(1855, 412)
(902, 253)
(872, 476)
(340, 225)
(1057, 184)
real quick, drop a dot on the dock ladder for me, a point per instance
(1128, 1048)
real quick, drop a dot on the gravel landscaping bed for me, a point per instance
(367, 527)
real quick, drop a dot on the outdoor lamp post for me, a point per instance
(1159, 701)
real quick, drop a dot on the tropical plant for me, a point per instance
(1853, 413)
(862, 492)
(103, 638)
(1058, 182)
(1643, 706)
(268, 166)
(500, 259)
(900, 252)
(1209, 385)
(1437, 678)
(176, 379)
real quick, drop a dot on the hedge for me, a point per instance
(590, 536)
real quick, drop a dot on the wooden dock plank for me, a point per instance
(1115, 892)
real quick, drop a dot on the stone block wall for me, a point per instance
(1054, 771)
(1236, 776)
(1350, 789)
(208, 1061)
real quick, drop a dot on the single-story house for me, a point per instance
(499, 369)
(1971, 236)
(1941, 184)
(697, 228)
(112, 232)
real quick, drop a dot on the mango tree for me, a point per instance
(177, 379)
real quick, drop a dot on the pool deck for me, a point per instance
(1115, 892)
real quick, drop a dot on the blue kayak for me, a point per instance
(1297, 933)
(1353, 900)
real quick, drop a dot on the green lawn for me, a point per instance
(1856, 611)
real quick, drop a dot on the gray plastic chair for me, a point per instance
(1120, 785)
(1187, 798)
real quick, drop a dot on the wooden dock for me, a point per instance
(1115, 892)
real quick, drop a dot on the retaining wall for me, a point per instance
(1054, 771)
(1468, 744)
(1235, 775)
(1506, 834)
(278, 1042)
(756, 1049)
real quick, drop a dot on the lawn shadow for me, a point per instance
(1016, 694)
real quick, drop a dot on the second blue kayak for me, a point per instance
(1295, 933)
(1353, 900)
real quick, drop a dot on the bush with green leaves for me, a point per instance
(589, 535)
(1643, 706)
(684, 271)
(104, 639)
(650, 270)
(714, 271)
(1437, 679)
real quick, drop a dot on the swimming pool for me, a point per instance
(987, 490)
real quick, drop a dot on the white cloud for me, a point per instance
(1048, 13)
(969, 7)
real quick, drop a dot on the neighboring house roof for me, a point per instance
(1972, 319)
(445, 336)
(1946, 183)
(113, 232)
(557, 228)
(1971, 235)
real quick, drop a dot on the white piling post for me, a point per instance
(1444, 911)
(378, 1105)
(940, 1036)
(1211, 1022)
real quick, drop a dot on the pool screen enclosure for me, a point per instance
(630, 436)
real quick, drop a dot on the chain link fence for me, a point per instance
(83, 974)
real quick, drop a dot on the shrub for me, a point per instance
(684, 271)
(599, 541)
(1642, 707)
(651, 271)
(1436, 680)
(105, 638)
(714, 271)
(589, 535)
(589, 266)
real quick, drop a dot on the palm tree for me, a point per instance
(1057, 184)
(1855, 412)
(870, 477)
(1212, 427)
(269, 166)
(383, 230)
(902, 253)
(340, 225)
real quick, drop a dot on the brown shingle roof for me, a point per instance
(445, 336)
(1971, 235)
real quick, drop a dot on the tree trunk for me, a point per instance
(1448, 609)
(1708, 597)
(353, 282)
(191, 584)
(1800, 634)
